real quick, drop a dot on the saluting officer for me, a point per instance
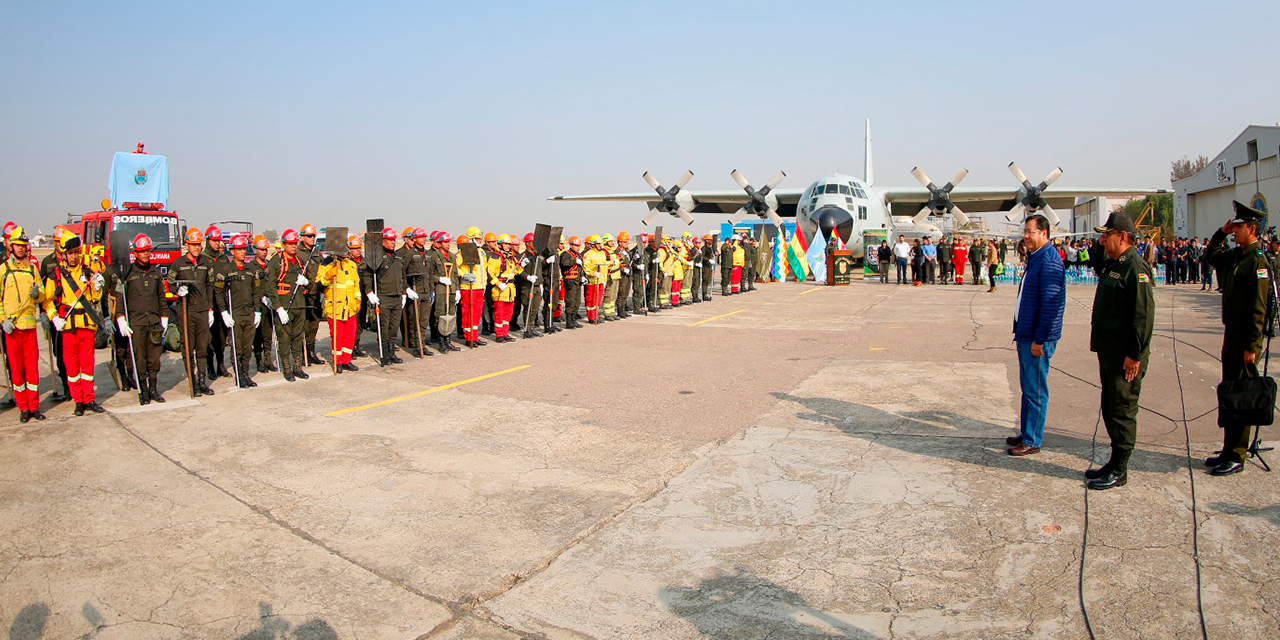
(391, 293)
(1123, 318)
(240, 289)
(191, 276)
(286, 294)
(1246, 282)
(147, 318)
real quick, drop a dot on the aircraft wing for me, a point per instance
(906, 201)
(706, 201)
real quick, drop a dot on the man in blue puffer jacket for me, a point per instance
(1037, 325)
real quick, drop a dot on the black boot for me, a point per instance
(288, 372)
(298, 363)
(392, 358)
(94, 407)
(79, 411)
(261, 362)
(144, 395)
(448, 342)
(357, 352)
(211, 369)
(1117, 468)
(155, 393)
(202, 386)
(314, 358)
(222, 370)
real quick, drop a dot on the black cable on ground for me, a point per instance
(1191, 476)
(1084, 539)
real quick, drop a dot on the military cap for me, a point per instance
(1118, 221)
(1247, 214)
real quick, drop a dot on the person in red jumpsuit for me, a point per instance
(960, 257)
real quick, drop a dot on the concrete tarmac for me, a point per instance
(795, 462)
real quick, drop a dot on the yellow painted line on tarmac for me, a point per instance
(877, 348)
(810, 291)
(726, 315)
(427, 392)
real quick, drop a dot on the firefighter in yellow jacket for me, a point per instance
(340, 277)
(595, 263)
(19, 311)
(69, 293)
(502, 269)
(472, 280)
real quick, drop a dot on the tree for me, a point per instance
(1185, 167)
(271, 235)
(1161, 214)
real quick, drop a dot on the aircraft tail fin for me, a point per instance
(868, 176)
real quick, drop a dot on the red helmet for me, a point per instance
(443, 237)
(9, 226)
(239, 242)
(419, 232)
(528, 237)
(307, 230)
(213, 233)
(289, 236)
(389, 233)
(141, 242)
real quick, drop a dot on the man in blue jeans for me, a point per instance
(1037, 325)
(901, 254)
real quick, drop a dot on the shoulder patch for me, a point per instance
(1262, 274)
(1142, 277)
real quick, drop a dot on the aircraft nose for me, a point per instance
(832, 217)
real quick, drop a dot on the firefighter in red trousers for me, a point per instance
(19, 297)
(960, 257)
(502, 269)
(68, 291)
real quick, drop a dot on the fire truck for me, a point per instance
(106, 234)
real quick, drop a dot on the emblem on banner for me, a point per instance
(141, 177)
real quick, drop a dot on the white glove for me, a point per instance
(227, 319)
(457, 297)
(373, 298)
(211, 317)
(502, 286)
(98, 282)
(302, 280)
(532, 279)
(446, 281)
(402, 301)
(257, 318)
(413, 295)
(551, 259)
(283, 315)
(120, 322)
(59, 323)
(182, 290)
(164, 323)
(579, 261)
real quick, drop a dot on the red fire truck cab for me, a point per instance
(107, 234)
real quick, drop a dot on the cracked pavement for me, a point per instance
(825, 466)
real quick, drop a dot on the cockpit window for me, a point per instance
(843, 189)
(833, 188)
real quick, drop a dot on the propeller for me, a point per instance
(669, 202)
(759, 203)
(940, 197)
(1033, 196)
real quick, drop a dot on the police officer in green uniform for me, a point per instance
(1123, 319)
(191, 276)
(751, 257)
(411, 253)
(143, 295)
(390, 286)
(286, 293)
(441, 275)
(726, 264)
(239, 289)
(1246, 283)
(636, 261)
(311, 256)
(708, 264)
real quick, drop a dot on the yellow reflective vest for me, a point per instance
(480, 271)
(341, 280)
(502, 273)
(59, 293)
(16, 303)
(596, 264)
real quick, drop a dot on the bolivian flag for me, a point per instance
(796, 250)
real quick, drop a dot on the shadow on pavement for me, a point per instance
(743, 606)
(917, 426)
(1271, 513)
(30, 622)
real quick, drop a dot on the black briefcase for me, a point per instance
(1247, 402)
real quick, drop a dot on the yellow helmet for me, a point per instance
(686, 235)
(474, 232)
(504, 239)
(68, 241)
(18, 235)
(606, 238)
(592, 239)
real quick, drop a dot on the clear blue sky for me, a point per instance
(449, 114)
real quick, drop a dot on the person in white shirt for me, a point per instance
(902, 255)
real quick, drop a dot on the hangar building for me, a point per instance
(1246, 170)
